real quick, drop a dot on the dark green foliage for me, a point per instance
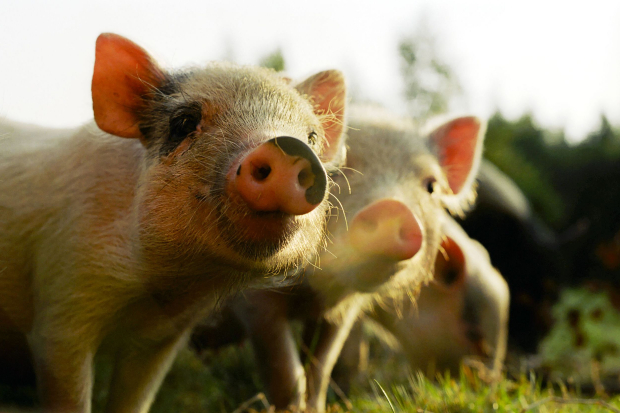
(586, 336)
(552, 173)
(519, 150)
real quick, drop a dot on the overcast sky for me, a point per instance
(558, 59)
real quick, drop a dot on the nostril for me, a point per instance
(306, 178)
(260, 173)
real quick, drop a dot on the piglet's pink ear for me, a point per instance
(458, 145)
(124, 73)
(450, 264)
(327, 93)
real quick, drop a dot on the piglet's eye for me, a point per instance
(312, 137)
(183, 122)
(430, 184)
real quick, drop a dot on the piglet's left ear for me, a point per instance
(458, 145)
(124, 74)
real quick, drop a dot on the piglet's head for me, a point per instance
(235, 156)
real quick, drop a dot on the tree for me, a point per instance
(430, 83)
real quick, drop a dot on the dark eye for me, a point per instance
(430, 184)
(312, 137)
(183, 122)
(181, 127)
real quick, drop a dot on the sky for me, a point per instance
(559, 60)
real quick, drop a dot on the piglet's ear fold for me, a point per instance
(327, 93)
(124, 74)
(458, 145)
(450, 265)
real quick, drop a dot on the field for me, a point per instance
(230, 384)
(561, 378)
(227, 381)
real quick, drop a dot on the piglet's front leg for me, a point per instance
(331, 339)
(264, 314)
(139, 370)
(64, 371)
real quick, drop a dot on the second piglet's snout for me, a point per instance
(280, 175)
(387, 228)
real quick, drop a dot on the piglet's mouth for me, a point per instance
(375, 271)
(271, 226)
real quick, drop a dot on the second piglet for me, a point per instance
(393, 190)
(462, 313)
(119, 236)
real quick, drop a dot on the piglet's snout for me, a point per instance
(282, 174)
(386, 228)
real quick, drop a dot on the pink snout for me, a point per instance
(386, 228)
(282, 175)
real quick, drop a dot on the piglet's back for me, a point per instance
(57, 185)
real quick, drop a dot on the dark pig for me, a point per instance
(525, 251)
(384, 245)
(123, 234)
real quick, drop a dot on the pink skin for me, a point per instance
(386, 228)
(269, 180)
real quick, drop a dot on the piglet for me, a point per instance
(462, 313)
(120, 235)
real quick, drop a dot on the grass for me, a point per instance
(227, 379)
(468, 393)
(230, 380)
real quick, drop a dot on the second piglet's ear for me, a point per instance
(450, 265)
(327, 93)
(124, 73)
(458, 146)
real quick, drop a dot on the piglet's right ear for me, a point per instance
(458, 145)
(327, 92)
(124, 74)
(450, 264)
